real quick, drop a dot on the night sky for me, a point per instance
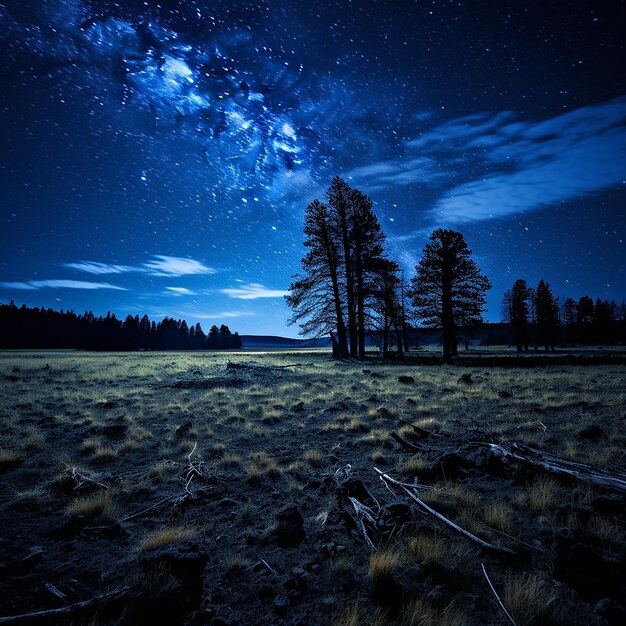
(157, 157)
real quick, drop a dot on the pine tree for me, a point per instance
(515, 310)
(345, 252)
(448, 286)
(547, 316)
(315, 295)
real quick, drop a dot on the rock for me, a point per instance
(611, 503)
(205, 616)
(281, 605)
(267, 594)
(114, 431)
(611, 611)
(289, 529)
(183, 429)
(593, 432)
(407, 380)
(185, 562)
(466, 379)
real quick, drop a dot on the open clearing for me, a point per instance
(170, 488)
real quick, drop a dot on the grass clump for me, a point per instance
(9, 457)
(420, 613)
(498, 516)
(99, 505)
(166, 537)
(314, 458)
(529, 599)
(382, 565)
(543, 493)
(262, 466)
(426, 547)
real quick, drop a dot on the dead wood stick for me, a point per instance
(409, 447)
(466, 533)
(83, 478)
(269, 567)
(65, 609)
(556, 465)
(154, 506)
(495, 593)
(363, 511)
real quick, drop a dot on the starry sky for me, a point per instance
(157, 157)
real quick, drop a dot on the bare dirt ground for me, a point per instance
(148, 488)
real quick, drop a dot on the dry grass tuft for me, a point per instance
(420, 613)
(33, 439)
(543, 493)
(354, 615)
(262, 466)
(235, 565)
(426, 547)
(167, 536)
(498, 516)
(9, 457)
(383, 564)
(529, 599)
(99, 505)
(314, 458)
(414, 465)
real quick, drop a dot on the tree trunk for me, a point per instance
(345, 236)
(360, 293)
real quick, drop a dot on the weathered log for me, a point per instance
(490, 547)
(555, 465)
(65, 609)
(409, 447)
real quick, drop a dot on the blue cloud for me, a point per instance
(58, 284)
(544, 163)
(158, 265)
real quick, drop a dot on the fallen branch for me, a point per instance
(363, 511)
(66, 609)
(556, 465)
(481, 542)
(409, 447)
(82, 479)
(154, 506)
(497, 596)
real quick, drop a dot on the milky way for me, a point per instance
(191, 135)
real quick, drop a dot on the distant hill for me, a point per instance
(267, 342)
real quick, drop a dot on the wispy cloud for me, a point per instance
(93, 267)
(541, 163)
(162, 265)
(393, 173)
(219, 315)
(58, 284)
(181, 291)
(492, 165)
(158, 265)
(253, 291)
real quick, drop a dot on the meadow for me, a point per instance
(241, 488)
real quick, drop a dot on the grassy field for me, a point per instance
(123, 474)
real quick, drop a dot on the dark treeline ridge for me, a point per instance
(24, 327)
(537, 317)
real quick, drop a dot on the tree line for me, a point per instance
(540, 318)
(349, 289)
(24, 327)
